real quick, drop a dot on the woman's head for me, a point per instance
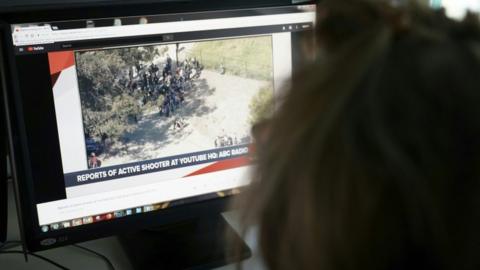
(373, 159)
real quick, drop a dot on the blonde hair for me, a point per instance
(372, 160)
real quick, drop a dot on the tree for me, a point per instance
(98, 77)
(136, 55)
(261, 106)
(108, 107)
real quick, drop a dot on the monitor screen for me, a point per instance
(123, 116)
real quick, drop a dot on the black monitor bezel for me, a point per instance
(125, 8)
(18, 142)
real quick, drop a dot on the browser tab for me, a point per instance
(24, 35)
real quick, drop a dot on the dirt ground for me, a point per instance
(217, 105)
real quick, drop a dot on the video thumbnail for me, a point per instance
(147, 102)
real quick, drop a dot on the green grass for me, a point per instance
(246, 57)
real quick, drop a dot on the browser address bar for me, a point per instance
(49, 36)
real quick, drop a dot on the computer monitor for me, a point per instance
(139, 117)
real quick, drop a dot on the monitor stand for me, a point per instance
(202, 243)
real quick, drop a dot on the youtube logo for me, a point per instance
(35, 48)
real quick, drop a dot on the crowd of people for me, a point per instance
(229, 140)
(169, 83)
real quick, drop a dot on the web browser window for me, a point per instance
(153, 112)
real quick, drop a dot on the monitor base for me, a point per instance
(202, 243)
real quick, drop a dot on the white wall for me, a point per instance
(457, 8)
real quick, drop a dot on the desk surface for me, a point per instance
(74, 258)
